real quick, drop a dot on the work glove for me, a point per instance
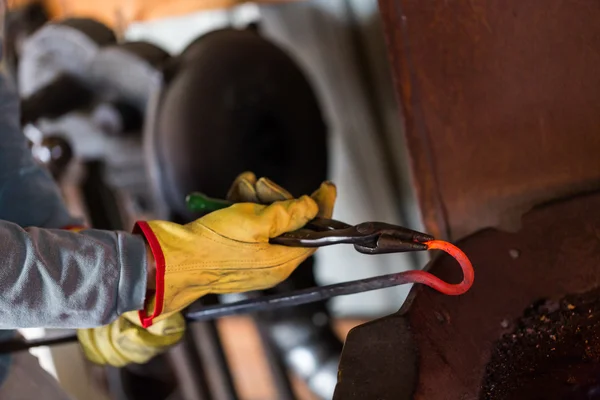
(228, 251)
(124, 341)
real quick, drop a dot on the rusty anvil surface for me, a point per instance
(439, 347)
(500, 102)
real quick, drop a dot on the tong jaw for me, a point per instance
(367, 238)
(387, 238)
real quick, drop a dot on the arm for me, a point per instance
(54, 278)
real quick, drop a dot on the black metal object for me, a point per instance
(233, 102)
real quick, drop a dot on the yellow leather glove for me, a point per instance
(228, 251)
(124, 341)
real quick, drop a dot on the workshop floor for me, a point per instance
(249, 366)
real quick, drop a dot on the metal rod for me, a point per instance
(11, 346)
(266, 303)
(295, 298)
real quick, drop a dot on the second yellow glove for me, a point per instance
(124, 341)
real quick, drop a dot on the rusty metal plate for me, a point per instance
(501, 100)
(438, 347)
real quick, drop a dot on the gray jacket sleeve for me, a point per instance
(52, 277)
(57, 278)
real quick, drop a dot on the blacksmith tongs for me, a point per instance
(367, 237)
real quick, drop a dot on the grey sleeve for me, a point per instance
(50, 277)
(56, 278)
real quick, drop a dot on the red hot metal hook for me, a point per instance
(436, 283)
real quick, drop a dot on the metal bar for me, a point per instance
(266, 303)
(304, 296)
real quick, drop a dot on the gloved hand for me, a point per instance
(228, 251)
(124, 341)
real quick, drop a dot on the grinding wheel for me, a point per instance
(232, 102)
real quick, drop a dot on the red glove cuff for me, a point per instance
(159, 257)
